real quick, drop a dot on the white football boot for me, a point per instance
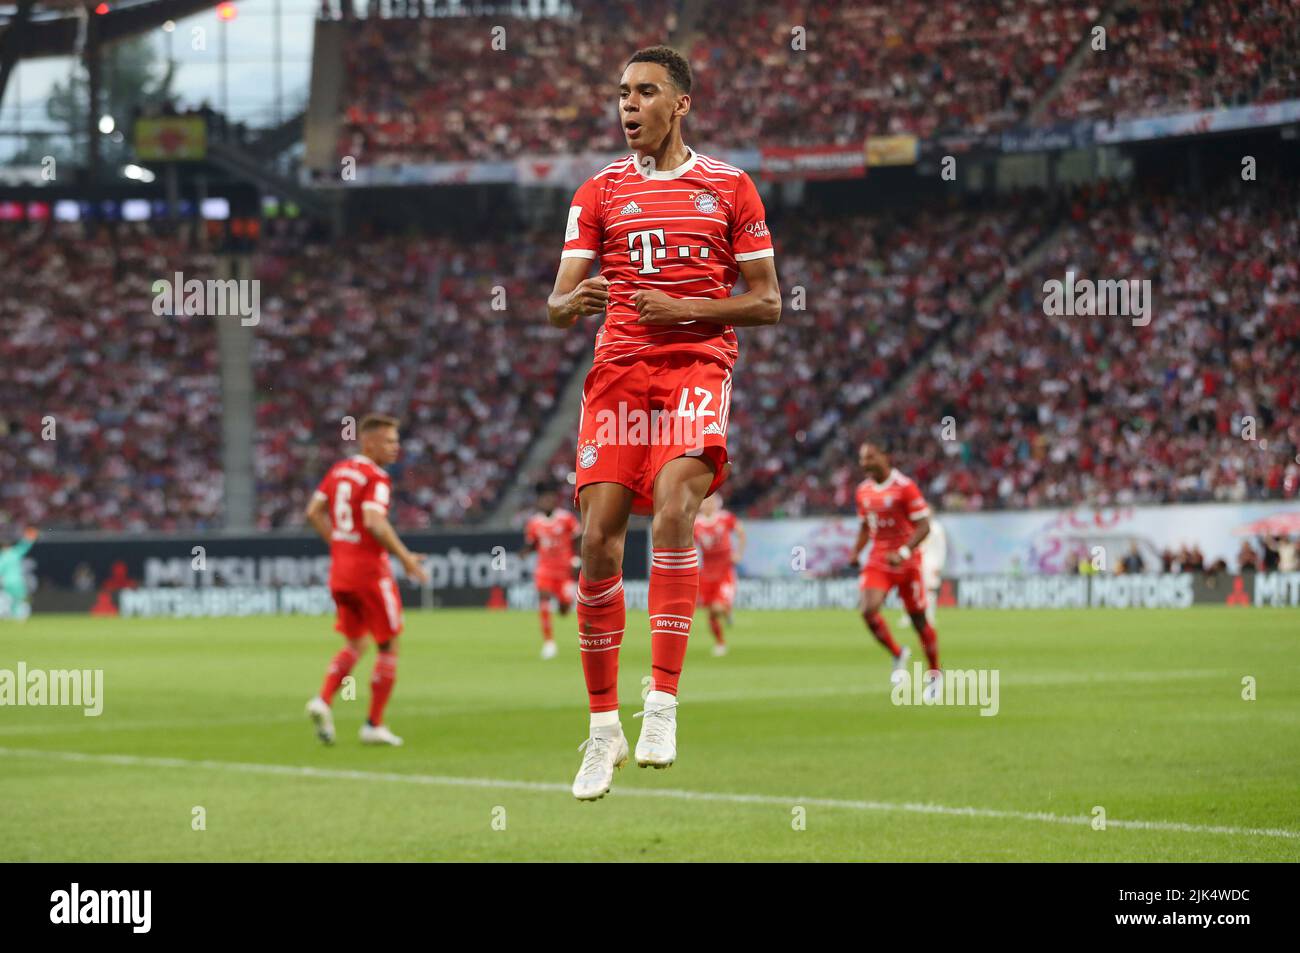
(548, 649)
(379, 735)
(933, 685)
(900, 666)
(322, 718)
(719, 649)
(605, 751)
(657, 746)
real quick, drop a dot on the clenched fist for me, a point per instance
(591, 296)
(655, 307)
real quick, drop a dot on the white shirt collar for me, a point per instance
(676, 173)
(887, 481)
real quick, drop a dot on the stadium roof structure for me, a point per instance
(33, 28)
(36, 28)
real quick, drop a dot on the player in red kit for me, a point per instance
(895, 520)
(714, 529)
(350, 512)
(672, 231)
(552, 533)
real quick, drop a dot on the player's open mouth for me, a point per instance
(632, 128)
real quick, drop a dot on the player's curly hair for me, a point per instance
(679, 71)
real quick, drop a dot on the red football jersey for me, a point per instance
(682, 232)
(357, 559)
(890, 509)
(553, 537)
(713, 537)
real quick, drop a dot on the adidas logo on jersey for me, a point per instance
(713, 428)
(631, 208)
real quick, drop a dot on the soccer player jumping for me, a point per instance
(350, 512)
(673, 230)
(895, 520)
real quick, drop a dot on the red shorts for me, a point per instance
(562, 587)
(637, 416)
(718, 590)
(907, 578)
(376, 609)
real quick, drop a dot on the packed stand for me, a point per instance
(783, 74)
(1169, 57)
(408, 326)
(859, 70)
(877, 291)
(1203, 403)
(111, 412)
(436, 90)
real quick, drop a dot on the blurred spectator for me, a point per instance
(1288, 553)
(83, 578)
(1247, 557)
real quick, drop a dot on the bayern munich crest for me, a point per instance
(587, 457)
(706, 202)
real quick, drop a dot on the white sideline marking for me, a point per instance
(866, 686)
(551, 787)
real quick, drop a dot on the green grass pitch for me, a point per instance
(789, 748)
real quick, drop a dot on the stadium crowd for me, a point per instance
(1166, 57)
(1202, 403)
(779, 73)
(859, 70)
(1007, 409)
(448, 89)
(442, 89)
(442, 332)
(908, 280)
(112, 412)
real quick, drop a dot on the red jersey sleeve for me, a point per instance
(574, 525)
(530, 531)
(583, 232)
(750, 237)
(917, 508)
(860, 498)
(377, 494)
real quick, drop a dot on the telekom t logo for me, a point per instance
(652, 248)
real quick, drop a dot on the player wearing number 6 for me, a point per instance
(672, 231)
(350, 512)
